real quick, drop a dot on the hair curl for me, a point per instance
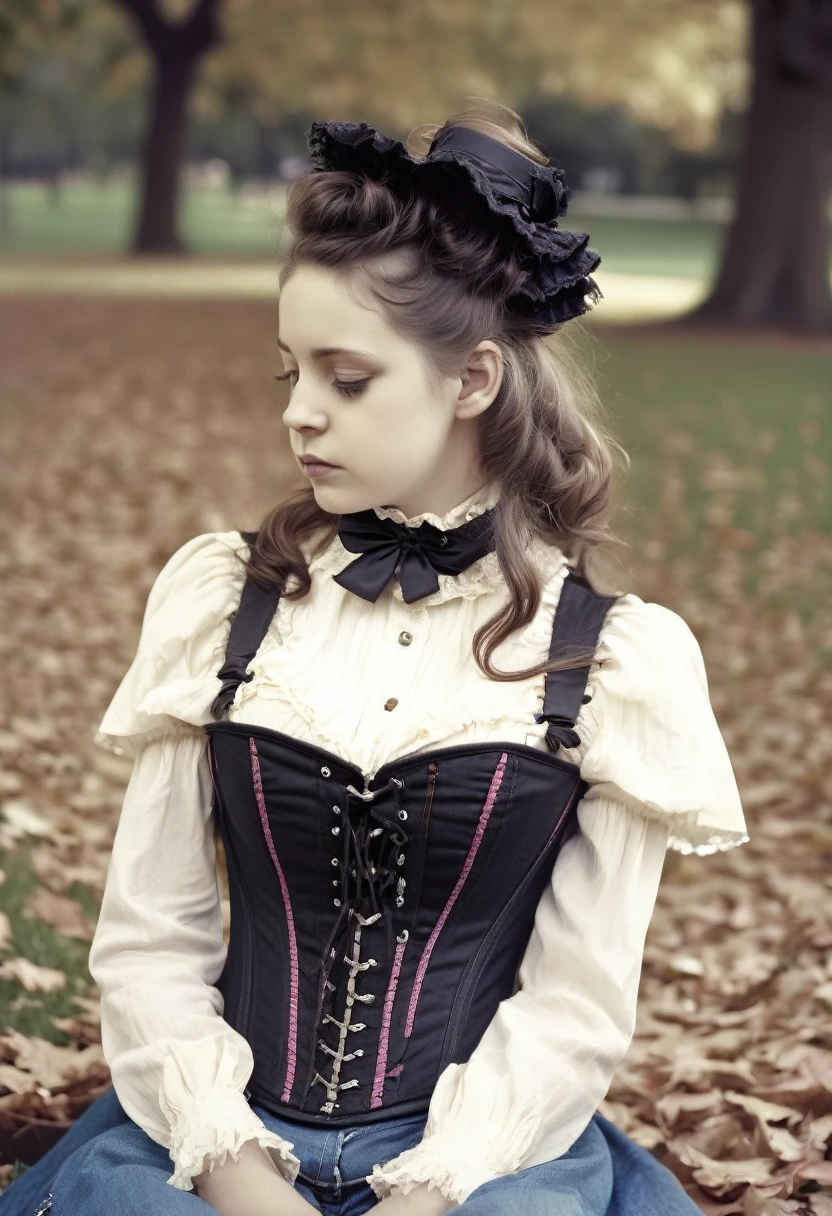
(445, 288)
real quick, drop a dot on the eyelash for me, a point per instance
(347, 388)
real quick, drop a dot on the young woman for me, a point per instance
(444, 766)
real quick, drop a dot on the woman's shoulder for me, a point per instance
(172, 681)
(650, 738)
(205, 561)
(648, 642)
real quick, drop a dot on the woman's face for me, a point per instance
(361, 399)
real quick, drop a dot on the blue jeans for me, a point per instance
(110, 1166)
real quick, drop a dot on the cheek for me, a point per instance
(402, 422)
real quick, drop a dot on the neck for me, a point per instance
(439, 496)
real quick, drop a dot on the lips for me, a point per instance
(307, 460)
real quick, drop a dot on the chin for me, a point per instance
(337, 501)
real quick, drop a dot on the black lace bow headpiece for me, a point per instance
(530, 195)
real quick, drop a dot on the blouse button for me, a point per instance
(391, 703)
(405, 638)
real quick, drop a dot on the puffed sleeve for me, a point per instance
(649, 735)
(178, 1068)
(659, 772)
(169, 686)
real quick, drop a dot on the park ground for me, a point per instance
(131, 423)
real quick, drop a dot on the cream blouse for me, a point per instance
(327, 671)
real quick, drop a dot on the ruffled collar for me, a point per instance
(483, 498)
(480, 577)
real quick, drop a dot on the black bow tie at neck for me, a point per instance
(418, 554)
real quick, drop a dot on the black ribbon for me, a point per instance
(419, 555)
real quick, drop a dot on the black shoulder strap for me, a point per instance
(578, 620)
(579, 617)
(256, 610)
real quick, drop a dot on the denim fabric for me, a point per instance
(111, 1165)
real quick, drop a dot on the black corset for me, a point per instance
(377, 924)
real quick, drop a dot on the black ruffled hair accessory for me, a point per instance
(530, 195)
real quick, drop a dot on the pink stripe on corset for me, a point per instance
(384, 1037)
(460, 882)
(290, 924)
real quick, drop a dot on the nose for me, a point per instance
(301, 414)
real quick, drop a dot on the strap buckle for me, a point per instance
(561, 730)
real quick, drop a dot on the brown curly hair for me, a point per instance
(542, 437)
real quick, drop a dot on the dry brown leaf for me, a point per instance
(137, 394)
(719, 1177)
(31, 976)
(757, 1204)
(62, 913)
(48, 1064)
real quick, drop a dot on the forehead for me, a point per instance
(320, 309)
(316, 303)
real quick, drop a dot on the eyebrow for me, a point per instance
(323, 352)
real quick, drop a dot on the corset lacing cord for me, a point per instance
(372, 877)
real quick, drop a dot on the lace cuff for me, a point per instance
(458, 1162)
(209, 1127)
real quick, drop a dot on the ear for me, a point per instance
(481, 378)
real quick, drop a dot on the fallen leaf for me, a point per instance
(31, 976)
(60, 912)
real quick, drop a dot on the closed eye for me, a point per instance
(347, 388)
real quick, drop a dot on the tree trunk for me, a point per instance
(775, 266)
(176, 50)
(157, 225)
(5, 201)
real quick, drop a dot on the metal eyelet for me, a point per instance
(335, 861)
(336, 810)
(325, 772)
(399, 901)
(337, 903)
(336, 882)
(398, 781)
(403, 936)
(400, 859)
(402, 814)
(443, 539)
(336, 831)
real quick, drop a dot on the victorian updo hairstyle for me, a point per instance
(446, 290)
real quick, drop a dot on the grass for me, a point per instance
(761, 409)
(31, 1012)
(731, 447)
(96, 219)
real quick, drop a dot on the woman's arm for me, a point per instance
(251, 1186)
(658, 772)
(547, 1057)
(178, 1068)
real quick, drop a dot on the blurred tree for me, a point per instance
(394, 63)
(25, 25)
(176, 47)
(676, 66)
(775, 266)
